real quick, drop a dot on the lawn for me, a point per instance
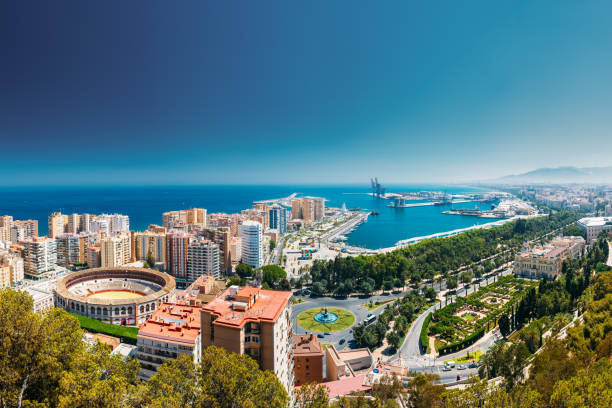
(126, 333)
(465, 359)
(345, 320)
(376, 304)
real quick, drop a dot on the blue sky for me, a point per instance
(206, 92)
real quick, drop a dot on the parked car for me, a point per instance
(342, 341)
(320, 336)
(473, 364)
(369, 314)
(461, 367)
(446, 368)
(326, 333)
(450, 363)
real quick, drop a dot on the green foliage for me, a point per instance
(466, 342)
(424, 339)
(127, 334)
(416, 262)
(272, 275)
(311, 396)
(244, 270)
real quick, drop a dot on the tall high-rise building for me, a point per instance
(27, 228)
(14, 265)
(296, 209)
(222, 237)
(40, 256)
(68, 249)
(115, 250)
(319, 208)
(202, 259)
(255, 322)
(72, 226)
(251, 235)
(177, 243)
(57, 224)
(278, 218)
(150, 242)
(308, 210)
(94, 256)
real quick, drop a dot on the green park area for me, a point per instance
(376, 305)
(306, 319)
(127, 334)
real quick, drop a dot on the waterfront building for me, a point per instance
(255, 322)
(593, 226)
(40, 256)
(255, 215)
(307, 210)
(278, 218)
(202, 259)
(182, 218)
(57, 224)
(115, 250)
(319, 208)
(177, 243)
(296, 209)
(222, 237)
(307, 359)
(251, 236)
(171, 331)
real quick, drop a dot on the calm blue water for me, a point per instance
(144, 206)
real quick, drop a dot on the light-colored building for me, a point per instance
(40, 256)
(5, 276)
(251, 236)
(255, 322)
(94, 256)
(202, 259)
(307, 359)
(593, 226)
(68, 249)
(177, 243)
(14, 263)
(171, 331)
(343, 364)
(296, 209)
(202, 291)
(23, 229)
(115, 250)
(150, 242)
(181, 218)
(57, 224)
(43, 300)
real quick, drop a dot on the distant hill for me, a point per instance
(561, 175)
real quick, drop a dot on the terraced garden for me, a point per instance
(464, 321)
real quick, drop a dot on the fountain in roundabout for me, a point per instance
(325, 317)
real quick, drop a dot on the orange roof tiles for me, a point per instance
(173, 323)
(306, 345)
(267, 307)
(347, 386)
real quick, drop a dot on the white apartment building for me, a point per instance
(40, 256)
(14, 264)
(593, 226)
(251, 236)
(202, 259)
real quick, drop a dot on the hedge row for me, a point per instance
(125, 333)
(468, 341)
(424, 338)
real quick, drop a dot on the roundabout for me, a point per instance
(332, 319)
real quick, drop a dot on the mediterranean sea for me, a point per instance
(145, 205)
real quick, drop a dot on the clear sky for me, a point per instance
(264, 92)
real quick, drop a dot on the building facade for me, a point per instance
(40, 256)
(115, 250)
(593, 226)
(251, 236)
(202, 259)
(278, 219)
(307, 359)
(255, 322)
(177, 244)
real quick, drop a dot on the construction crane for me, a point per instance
(377, 189)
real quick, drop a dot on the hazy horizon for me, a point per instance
(269, 93)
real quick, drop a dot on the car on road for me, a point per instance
(326, 333)
(446, 368)
(320, 336)
(461, 367)
(473, 364)
(342, 341)
(450, 363)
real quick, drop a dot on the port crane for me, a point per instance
(377, 189)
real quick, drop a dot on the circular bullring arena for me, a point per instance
(123, 295)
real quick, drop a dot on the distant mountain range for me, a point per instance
(561, 175)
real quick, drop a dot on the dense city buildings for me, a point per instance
(307, 359)
(251, 236)
(278, 218)
(40, 256)
(149, 243)
(177, 244)
(308, 209)
(202, 291)
(255, 322)
(94, 259)
(223, 238)
(17, 230)
(183, 218)
(202, 259)
(593, 226)
(171, 331)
